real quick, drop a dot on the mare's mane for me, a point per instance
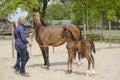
(43, 21)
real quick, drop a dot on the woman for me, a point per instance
(17, 64)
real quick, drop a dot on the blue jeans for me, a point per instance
(18, 55)
(24, 55)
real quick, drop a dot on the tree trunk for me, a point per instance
(101, 27)
(44, 7)
(84, 25)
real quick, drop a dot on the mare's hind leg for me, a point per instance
(79, 58)
(74, 58)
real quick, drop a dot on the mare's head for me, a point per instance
(36, 16)
(68, 34)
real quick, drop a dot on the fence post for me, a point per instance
(84, 25)
(12, 41)
(109, 33)
(53, 46)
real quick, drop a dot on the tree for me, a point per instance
(95, 10)
(57, 11)
(8, 7)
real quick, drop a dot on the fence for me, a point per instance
(108, 35)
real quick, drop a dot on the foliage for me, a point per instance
(57, 12)
(108, 9)
(94, 37)
(9, 6)
(111, 15)
(77, 14)
(93, 10)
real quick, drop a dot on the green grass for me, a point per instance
(114, 33)
(5, 37)
(115, 36)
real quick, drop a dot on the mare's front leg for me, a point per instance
(45, 53)
(74, 58)
(79, 58)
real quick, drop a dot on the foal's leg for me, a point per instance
(89, 63)
(69, 68)
(71, 55)
(93, 63)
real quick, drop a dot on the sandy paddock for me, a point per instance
(107, 65)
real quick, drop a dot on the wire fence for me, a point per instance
(107, 35)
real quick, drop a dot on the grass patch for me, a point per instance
(95, 35)
(114, 33)
(2, 37)
(115, 36)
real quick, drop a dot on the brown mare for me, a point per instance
(48, 35)
(84, 47)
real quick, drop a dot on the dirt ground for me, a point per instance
(107, 64)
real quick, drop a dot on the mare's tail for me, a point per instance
(93, 46)
(80, 37)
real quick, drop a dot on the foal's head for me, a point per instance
(36, 16)
(68, 34)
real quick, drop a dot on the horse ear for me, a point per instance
(33, 8)
(64, 28)
(36, 9)
(67, 30)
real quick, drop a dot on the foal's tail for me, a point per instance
(93, 46)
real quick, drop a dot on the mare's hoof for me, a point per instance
(68, 71)
(93, 72)
(74, 61)
(47, 68)
(78, 63)
(44, 66)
